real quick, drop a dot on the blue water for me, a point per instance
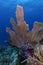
(33, 11)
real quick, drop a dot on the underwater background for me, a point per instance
(33, 11)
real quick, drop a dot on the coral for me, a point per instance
(20, 35)
(37, 59)
(36, 31)
(8, 56)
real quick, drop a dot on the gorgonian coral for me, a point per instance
(20, 34)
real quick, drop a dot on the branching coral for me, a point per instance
(36, 33)
(20, 35)
(37, 58)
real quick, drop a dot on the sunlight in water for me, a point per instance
(5, 3)
(23, 0)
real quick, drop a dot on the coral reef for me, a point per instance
(20, 36)
(8, 56)
(37, 58)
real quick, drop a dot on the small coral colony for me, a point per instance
(30, 43)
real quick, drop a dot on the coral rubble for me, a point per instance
(20, 36)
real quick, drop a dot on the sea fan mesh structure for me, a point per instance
(20, 35)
